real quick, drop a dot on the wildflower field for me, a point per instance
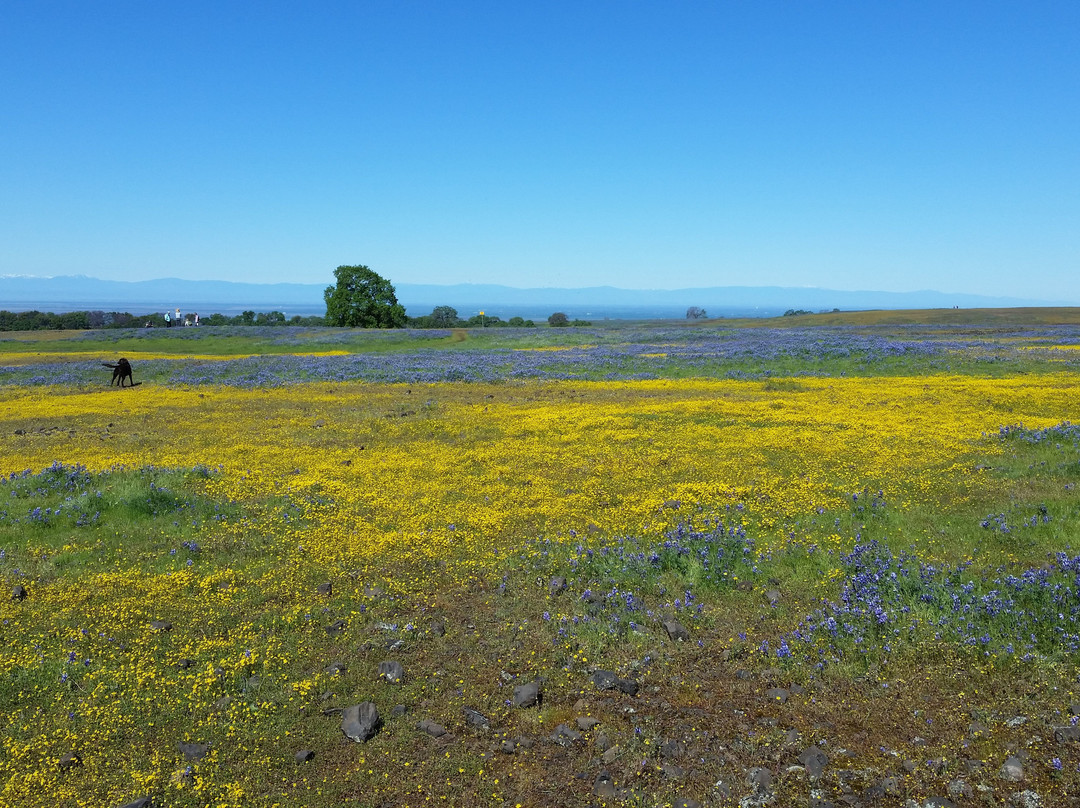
(735, 565)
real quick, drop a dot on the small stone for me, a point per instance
(325, 589)
(508, 747)
(1025, 799)
(605, 680)
(194, 751)
(1074, 708)
(185, 663)
(391, 671)
(70, 761)
(18, 592)
(438, 628)
(777, 694)
(399, 710)
(687, 803)
(565, 735)
(627, 686)
(1067, 734)
(431, 728)
(959, 788)
(1016, 721)
(604, 785)
(890, 785)
(673, 771)
(814, 760)
(773, 596)
(977, 729)
(759, 778)
(527, 695)
(475, 718)
(337, 628)
(585, 723)
(336, 668)
(1012, 770)
(611, 755)
(223, 703)
(557, 585)
(672, 749)
(675, 630)
(142, 802)
(161, 625)
(602, 742)
(304, 755)
(360, 722)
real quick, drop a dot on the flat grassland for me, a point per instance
(843, 549)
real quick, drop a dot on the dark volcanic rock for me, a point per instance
(557, 585)
(675, 630)
(360, 722)
(392, 672)
(607, 680)
(604, 785)
(337, 628)
(325, 589)
(18, 592)
(672, 749)
(759, 778)
(814, 761)
(777, 694)
(194, 751)
(161, 625)
(565, 735)
(1066, 734)
(528, 695)
(431, 728)
(1012, 770)
(475, 718)
(70, 761)
(304, 755)
(142, 802)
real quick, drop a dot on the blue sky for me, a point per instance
(892, 146)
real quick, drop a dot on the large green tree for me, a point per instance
(362, 298)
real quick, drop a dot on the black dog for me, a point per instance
(120, 371)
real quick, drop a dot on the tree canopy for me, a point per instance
(362, 298)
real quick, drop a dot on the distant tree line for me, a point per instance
(83, 320)
(440, 317)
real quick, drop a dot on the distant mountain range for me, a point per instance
(79, 292)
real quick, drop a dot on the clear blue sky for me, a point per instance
(866, 145)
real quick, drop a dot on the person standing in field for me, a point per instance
(177, 317)
(168, 319)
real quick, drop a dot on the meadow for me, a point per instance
(787, 563)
